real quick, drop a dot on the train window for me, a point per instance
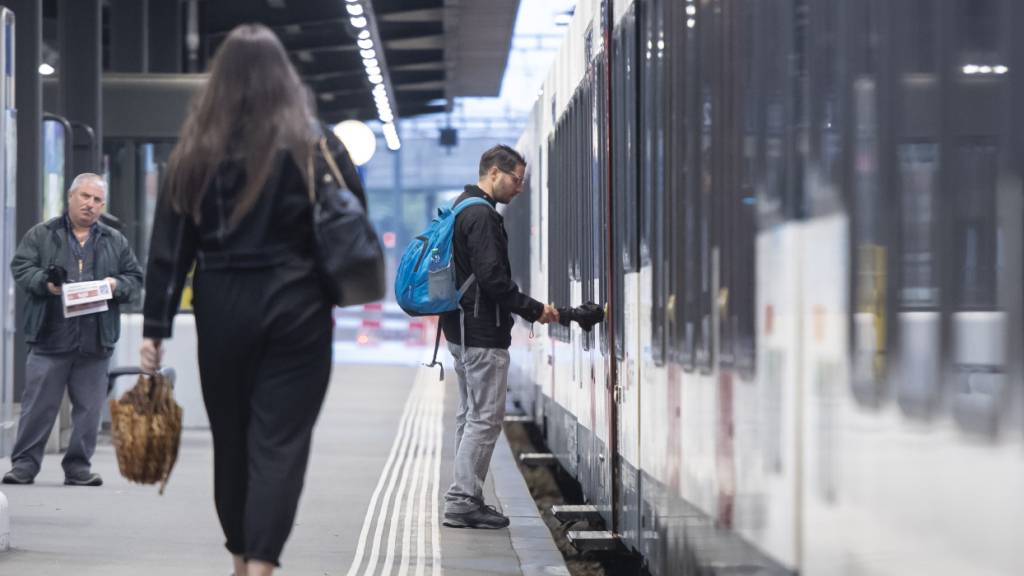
(976, 244)
(918, 161)
(918, 182)
(870, 244)
(624, 172)
(708, 185)
(771, 67)
(659, 255)
(632, 142)
(652, 246)
(686, 183)
(559, 234)
(736, 234)
(675, 167)
(601, 232)
(978, 322)
(826, 101)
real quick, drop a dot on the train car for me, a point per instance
(804, 219)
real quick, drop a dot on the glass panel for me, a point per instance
(919, 169)
(976, 245)
(54, 138)
(979, 326)
(870, 292)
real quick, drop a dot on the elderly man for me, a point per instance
(70, 353)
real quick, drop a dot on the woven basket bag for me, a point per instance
(146, 427)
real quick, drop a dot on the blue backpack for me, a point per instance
(425, 280)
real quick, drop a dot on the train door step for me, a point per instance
(538, 459)
(568, 512)
(521, 418)
(592, 540)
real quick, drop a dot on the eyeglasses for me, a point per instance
(517, 179)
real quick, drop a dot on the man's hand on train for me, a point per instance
(549, 315)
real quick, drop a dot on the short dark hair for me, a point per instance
(504, 157)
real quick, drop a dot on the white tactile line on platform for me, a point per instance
(411, 475)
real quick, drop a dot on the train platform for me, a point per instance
(372, 503)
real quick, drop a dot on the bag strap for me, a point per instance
(437, 344)
(437, 338)
(457, 207)
(331, 165)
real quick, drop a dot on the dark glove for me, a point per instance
(56, 275)
(586, 315)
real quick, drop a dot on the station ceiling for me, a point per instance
(435, 50)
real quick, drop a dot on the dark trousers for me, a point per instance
(46, 378)
(264, 362)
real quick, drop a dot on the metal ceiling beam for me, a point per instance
(411, 16)
(433, 42)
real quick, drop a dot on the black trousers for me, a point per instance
(264, 361)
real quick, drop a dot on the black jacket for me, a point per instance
(480, 246)
(46, 243)
(276, 234)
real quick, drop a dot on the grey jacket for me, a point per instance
(46, 244)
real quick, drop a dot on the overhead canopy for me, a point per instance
(435, 50)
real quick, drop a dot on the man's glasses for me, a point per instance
(517, 179)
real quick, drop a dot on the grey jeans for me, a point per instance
(483, 383)
(46, 377)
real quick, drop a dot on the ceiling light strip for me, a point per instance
(371, 49)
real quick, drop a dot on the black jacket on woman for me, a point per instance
(277, 231)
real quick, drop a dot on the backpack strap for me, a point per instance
(474, 201)
(437, 338)
(437, 344)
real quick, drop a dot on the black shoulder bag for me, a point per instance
(347, 251)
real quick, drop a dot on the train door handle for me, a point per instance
(617, 394)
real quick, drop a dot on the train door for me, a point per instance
(626, 274)
(602, 356)
(8, 240)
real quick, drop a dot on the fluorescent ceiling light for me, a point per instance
(376, 79)
(364, 35)
(367, 62)
(355, 9)
(365, 44)
(45, 69)
(358, 21)
(368, 53)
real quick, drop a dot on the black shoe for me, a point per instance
(488, 509)
(87, 479)
(486, 517)
(16, 476)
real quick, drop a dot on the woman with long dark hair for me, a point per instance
(235, 203)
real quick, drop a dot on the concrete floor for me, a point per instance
(122, 529)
